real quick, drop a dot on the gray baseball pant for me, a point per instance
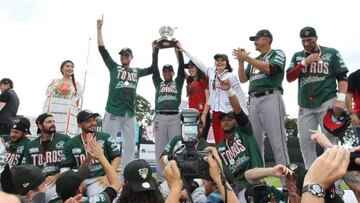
(126, 125)
(267, 115)
(165, 127)
(312, 119)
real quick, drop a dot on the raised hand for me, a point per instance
(281, 170)
(100, 22)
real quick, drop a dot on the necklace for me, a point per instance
(44, 149)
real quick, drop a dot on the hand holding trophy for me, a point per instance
(166, 40)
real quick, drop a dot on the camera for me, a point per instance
(189, 160)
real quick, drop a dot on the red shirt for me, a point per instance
(196, 93)
(356, 99)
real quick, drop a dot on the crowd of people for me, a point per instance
(71, 161)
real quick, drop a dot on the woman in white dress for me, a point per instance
(63, 98)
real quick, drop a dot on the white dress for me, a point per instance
(61, 99)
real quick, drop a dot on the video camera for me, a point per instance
(189, 160)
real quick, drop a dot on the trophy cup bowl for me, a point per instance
(166, 40)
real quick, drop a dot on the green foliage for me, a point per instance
(144, 112)
(291, 126)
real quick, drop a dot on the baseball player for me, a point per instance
(317, 69)
(265, 74)
(46, 151)
(219, 101)
(120, 106)
(17, 141)
(75, 153)
(167, 121)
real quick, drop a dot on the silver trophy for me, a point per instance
(166, 40)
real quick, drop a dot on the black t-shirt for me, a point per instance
(8, 113)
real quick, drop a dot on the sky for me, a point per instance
(37, 35)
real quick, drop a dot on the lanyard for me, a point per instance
(44, 149)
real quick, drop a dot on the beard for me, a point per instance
(50, 130)
(228, 130)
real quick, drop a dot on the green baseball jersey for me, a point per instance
(46, 155)
(15, 151)
(168, 95)
(74, 153)
(102, 197)
(259, 81)
(122, 87)
(176, 142)
(240, 155)
(317, 81)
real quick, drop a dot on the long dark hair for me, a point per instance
(128, 195)
(199, 76)
(72, 76)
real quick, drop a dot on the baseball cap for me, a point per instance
(68, 182)
(85, 114)
(126, 51)
(230, 114)
(168, 67)
(26, 177)
(138, 174)
(336, 125)
(261, 33)
(307, 32)
(223, 56)
(22, 124)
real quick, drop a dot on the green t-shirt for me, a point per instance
(46, 155)
(317, 81)
(122, 86)
(243, 154)
(176, 142)
(259, 81)
(15, 151)
(74, 153)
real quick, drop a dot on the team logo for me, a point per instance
(326, 57)
(25, 185)
(60, 145)
(20, 149)
(76, 151)
(143, 172)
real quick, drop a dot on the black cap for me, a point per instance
(41, 118)
(85, 114)
(308, 32)
(223, 56)
(6, 81)
(138, 174)
(230, 114)
(261, 33)
(125, 51)
(26, 177)
(168, 67)
(22, 124)
(68, 183)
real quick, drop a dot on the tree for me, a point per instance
(144, 112)
(291, 126)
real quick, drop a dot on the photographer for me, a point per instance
(173, 177)
(174, 146)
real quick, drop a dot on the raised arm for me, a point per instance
(237, 53)
(197, 62)
(180, 72)
(154, 64)
(99, 24)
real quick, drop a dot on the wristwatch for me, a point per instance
(315, 189)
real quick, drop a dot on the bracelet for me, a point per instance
(341, 97)
(303, 63)
(231, 92)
